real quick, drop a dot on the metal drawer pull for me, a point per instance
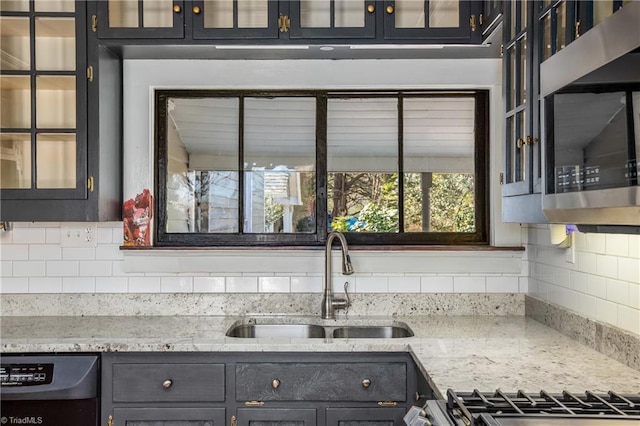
(254, 403)
(366, 383)
(275, 383)
(387, 403)
(167, 383)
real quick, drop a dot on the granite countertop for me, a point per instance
(459, 352)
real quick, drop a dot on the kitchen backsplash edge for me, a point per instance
(609, 340)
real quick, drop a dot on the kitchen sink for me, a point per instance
(372, 332)
(308, 331)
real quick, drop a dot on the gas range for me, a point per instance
(522, 409)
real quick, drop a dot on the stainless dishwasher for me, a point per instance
(49, 390)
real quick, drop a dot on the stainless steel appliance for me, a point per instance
(591, 135)
(522, 409)
(49, 390)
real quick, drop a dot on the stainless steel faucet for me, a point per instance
(329, 303)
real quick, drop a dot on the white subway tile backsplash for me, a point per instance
(634, 246)
(274, 285)
(607, 311)
(52, 235)
(45, 285)
(76, 253)
(617, 291)
(597, 286)
(596, 243)
(436, 285)
(634, 296)
(586, 262)
(617, 244)
(29, 235)
(6, 268)
(629, 319)
(117, 235)
(45, 252)
(242, 284)
(14, 252)
(96, 268)
(406, 284)
(372, 285)
(112, 285)
(629, 269)
(176, 284)
(579, 281)
(109, 252)
(78, 285)
(308, 284)
(502, 284)
(208, 284)
(523, 285)
(586, 305)
(469, 285)
(29, 268)
(144, 285)
(105, 236)
(607, 266)
(63, 268)
(14, 285)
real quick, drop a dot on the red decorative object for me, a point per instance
(137, 217)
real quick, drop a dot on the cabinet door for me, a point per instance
(276, 417)
(140, 19)
(235, 19)
(365, 416)
(168, 417)
(43, 88)
(491, 17)
(333, 18)
(446, 21)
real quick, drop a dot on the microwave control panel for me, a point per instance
(26, 374)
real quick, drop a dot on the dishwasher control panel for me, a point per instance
(26, 374)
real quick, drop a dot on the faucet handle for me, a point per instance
(346, 294)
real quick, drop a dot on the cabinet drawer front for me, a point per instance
(321, 381)
(168, 382)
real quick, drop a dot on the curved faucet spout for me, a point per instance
(329, 303)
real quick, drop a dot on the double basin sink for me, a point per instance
(315, 331)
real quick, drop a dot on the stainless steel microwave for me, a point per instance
(591, 127)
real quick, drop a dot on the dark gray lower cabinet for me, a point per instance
(259, 389)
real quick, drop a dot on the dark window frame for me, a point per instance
(318, 238)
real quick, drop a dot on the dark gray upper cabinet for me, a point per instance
(491, 17)
(352, 19)
(233, 20)
(53, 166)
(140, 19)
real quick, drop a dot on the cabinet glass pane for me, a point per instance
(545, 29)
(561, 23)
(511, 77)
(54, 5)
(511, 149)
(14, 43)
(513, 13)
(253, 13)
(315, 13)
(438, 148)
(14, 6)
(169, 423)
(123, 14)
(362, 164)
(349, 13)
(522, 72)
(602, 9)
(218, 13)
(55, 44)
(523, 14)
(521, 147)
(409, 14)
(56, 160)
(202, 170)
(157, 13)
(15, 105)
(15, 158)
(279, 158)
(56, 102)
(444, 14)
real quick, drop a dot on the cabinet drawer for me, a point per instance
(321, 381)
(168, 382)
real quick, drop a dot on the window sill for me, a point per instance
(367, 260)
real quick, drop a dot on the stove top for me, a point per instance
(522, 409)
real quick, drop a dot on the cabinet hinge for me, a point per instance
(472, 23)
(501, 50)
(501, 178)
(94, 23)
(387, 403)
(90, 73)
(254, 403)
(234, 421)
(110, 420)
(284, 23)
(480, 19)
(90, 183)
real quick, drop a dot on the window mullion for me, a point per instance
(400, 163)
(321, 167)
(241, 192)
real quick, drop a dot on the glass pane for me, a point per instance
(157, 13)
(123, 14)
(349, 13)
(513, 13)
(56, 160)
(55, 44)
(444, 13)
(438, 146)
(218, 13)
(15, 102)
(522, 74)
(602, 9)
(14, 6)
(409, 14)
(511, 149)
(521, 147)
(54, 5)
(523, 14)
(279, 159)
(202, 170)
(253, 13)
(561, 20)
(511, 88)
(15, 157)
(56, 102)
(315, 13)
(545, 48)
(362, 164)
(14, 43)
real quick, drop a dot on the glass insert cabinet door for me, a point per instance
(43, 153)
(333, 18)
(235, 19)
(140, 19)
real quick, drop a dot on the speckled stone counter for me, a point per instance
(460, 352)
